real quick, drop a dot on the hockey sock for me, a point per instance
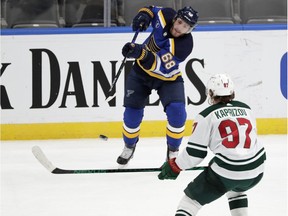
(176, 115)
(188, 207)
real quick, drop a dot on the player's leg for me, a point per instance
(237, 199)
(131, 129)
(172, 97)
(134, 102)
(176, 116)
(188, 207)
(205, 188)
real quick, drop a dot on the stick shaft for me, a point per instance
(132, 170)
(41, 157)
(109, 97)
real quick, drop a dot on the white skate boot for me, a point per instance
(126, 155)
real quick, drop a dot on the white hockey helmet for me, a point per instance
(220, 85)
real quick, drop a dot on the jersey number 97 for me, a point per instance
(229, 128)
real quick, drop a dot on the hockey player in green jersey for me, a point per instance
(228, 129)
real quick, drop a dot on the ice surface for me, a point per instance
(28, 189)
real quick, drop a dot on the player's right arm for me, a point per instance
(196, 149)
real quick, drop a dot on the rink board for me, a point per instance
(55, 81)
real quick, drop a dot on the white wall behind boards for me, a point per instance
(63, 77)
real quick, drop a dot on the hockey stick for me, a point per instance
(110, 95)
(41, 157)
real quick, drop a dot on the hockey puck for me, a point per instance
(103, 137)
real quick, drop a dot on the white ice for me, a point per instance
(28, 189)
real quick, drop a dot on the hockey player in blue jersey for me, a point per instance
(157, 67)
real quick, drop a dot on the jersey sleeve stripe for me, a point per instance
(162, 19)
(195, 150)
(194, 145)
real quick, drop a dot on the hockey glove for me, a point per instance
(170, 170)
(132, 50)
(141, 21)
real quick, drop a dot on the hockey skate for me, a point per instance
(126, 155)
(171, 154)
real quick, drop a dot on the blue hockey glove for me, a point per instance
(132, 50)
(141, 21)
(170, 170)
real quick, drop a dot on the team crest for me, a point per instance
(129, 92)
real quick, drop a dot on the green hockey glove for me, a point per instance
(170, 170)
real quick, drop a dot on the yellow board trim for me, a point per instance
(112, 129)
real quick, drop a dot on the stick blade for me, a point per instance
(40, 156)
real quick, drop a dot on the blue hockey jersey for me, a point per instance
(165, 52)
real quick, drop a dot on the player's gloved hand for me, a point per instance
(141, 21)
(132, 50)
(170, 170)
